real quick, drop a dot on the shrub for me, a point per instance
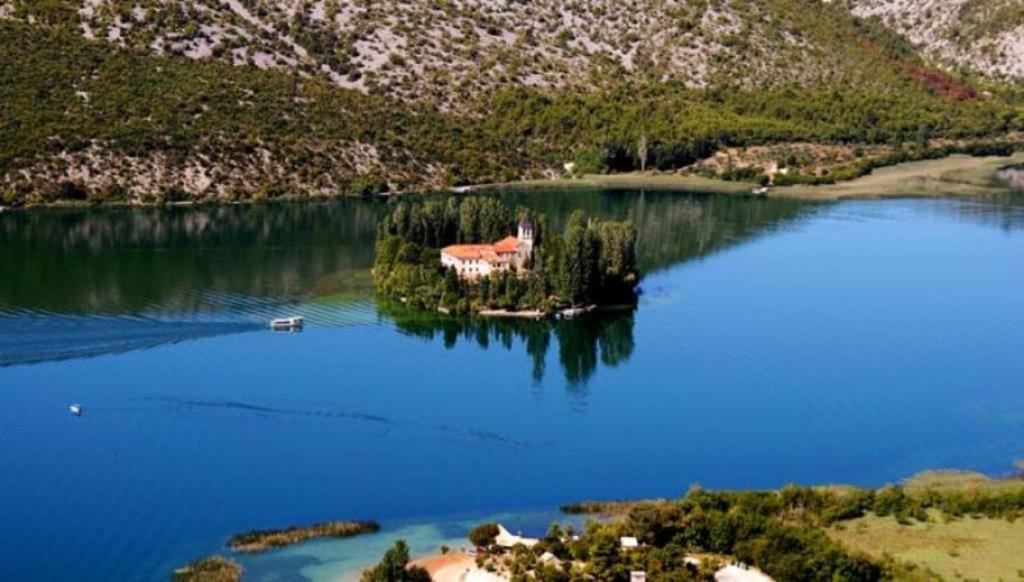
(69, 190)
(483, 535)
(174, 194)
(367, 185)
(589, 162)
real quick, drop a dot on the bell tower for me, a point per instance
(526, 231)
(525, 236)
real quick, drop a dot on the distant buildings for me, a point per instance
(480, 260)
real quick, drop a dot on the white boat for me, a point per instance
(75, 409)
(573, 312)
(762, 191)
(287, 323)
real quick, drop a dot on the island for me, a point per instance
(264, 539)
(217, 568)
(458, 255)
(209, 569)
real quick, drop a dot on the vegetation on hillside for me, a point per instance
(591, 262)
(448, 52)
(982, 38)
(97, 120)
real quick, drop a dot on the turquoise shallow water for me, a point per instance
(774, 342)
(344, 560)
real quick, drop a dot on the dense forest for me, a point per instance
(593, 262)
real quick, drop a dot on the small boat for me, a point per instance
(75, 409)
(287, 323)
(762, 191)
(573, 312)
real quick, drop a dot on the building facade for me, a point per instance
(511, 253)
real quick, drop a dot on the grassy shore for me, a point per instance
(631, 181)
(262, 540)
(968, 548)
(957, 175)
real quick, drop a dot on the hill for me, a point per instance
(167, 100)
(986, 38)
(448, 51)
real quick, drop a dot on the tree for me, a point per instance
(617, 269)
(580, 270)
(604, 555)
(554, 542)
(641, 151)
(394, 567)
(483, 535)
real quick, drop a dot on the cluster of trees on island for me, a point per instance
(259, 540)
(592, 262)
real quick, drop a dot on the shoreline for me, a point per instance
(955, 175)
(951, 176)
(973, 507)
(457, 562)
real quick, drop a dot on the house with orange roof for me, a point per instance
(480, 260)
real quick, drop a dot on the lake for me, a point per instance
(775, 341)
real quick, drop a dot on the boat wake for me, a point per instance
(258, 409)
(42, 337)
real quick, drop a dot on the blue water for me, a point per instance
(856, 342)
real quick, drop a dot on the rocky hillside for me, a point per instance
(450, 50)
(984, 37)
(443, 50)
(164, 100)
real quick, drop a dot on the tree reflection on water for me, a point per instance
(604, 338)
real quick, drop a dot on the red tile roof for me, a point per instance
(466, 252)
(490, 253)
(508, 244)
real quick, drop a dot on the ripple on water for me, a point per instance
(858, 342)
(31, 336)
